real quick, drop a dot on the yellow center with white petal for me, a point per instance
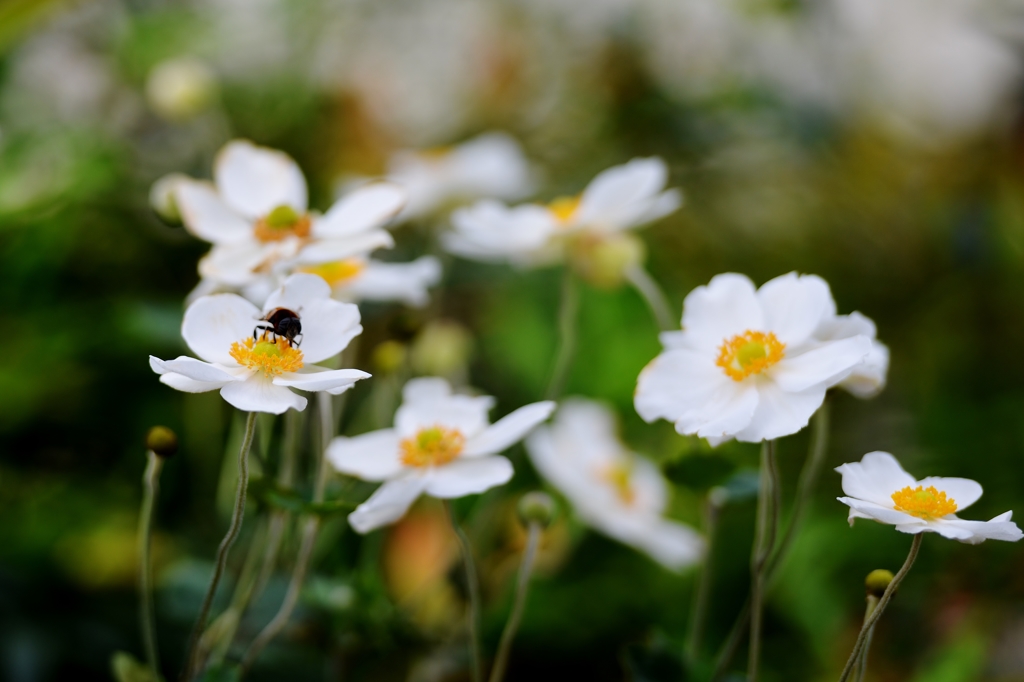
(273, 358)
(620, 477)
(432, 446)
(924, 503)
(281, 223)
(338, 272)
(564, 208)
(749, 353)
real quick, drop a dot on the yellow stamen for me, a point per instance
(337, 272)
(432, 446)
(749, 353)
(284, 221)
(273, 358)
(564, 208)
(621, 478)
(924, 503)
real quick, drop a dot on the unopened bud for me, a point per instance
(178, 89)
(163, 199)
(602, 260)
(536, 507)
(442, 348)
(162, 441)
(877, 581)
(389, 356)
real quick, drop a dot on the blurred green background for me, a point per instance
(877, 144)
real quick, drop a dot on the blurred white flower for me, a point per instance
(254, 368)
(361, 279)
(619, 493)
(747, 364)
(178, 89)
(878, 488)
(256, 216)
(867, 379)
(441, 445)
(618, 199)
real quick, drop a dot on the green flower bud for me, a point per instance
(441, 349)
(877, 581)
(162, 441)
(178, 89)
(537, 507)
(602, 260)
(389, 356)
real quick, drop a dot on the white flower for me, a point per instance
(746, 364)
(441, 445)
(616, 200)
(878, 488)
(619, 493)
(490, 165)
(256, 216)
(361, 279)
(867, 379)
(255, 370)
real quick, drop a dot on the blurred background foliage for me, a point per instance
(877, 143)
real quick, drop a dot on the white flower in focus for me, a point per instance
(867, 379)
(619, 493)
(618, 199)
(256, 216)
(253, 368)
(878, 488)
(362, 279)
(441, 445)
(488, 166)
(747, 364)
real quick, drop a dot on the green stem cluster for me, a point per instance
(519, 604)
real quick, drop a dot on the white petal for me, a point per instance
(676, 382)
(387, 504)
(196, 370)
(867, 379)
(587, 433)
(181, 382)
(823, 366)
(780, 413)
(727, 413)
(491, 231)
(372, 456)
(963, 491)
(405, 282)
(884, 514)
(241, 265)
(334, 381)
(999, 528)
(725, 307)
(259, 394)
(619, 197)
(509, 429)
(213, 323)
(255, 180)
(327, 325)
(875, 478)
(340, 248)
(673, 545)
(366, 208)
(795, 306)
(206, 216)
(468, 476)
(464, 413)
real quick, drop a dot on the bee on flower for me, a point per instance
(613, 490)
(441, 445)
(255, 357)
(591, 230)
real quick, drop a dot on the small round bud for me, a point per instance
(442, 348)
(162, 197)
(178, 89)
(389, 356)
(536, 507)
(162, 441)
(877, 581)
(602, 260)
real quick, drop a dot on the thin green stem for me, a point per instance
(225, 546)
(862, 664)
(869, 622)
(767, 526)
(151, 489)
(516, 615)
(309, 533)
(702, 595)
(652, 294)
(568, 312)
(473, 585)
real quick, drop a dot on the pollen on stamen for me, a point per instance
(432, 446)
(564, 208)
(284, 221)
(620, 476)
(749, 353)
(273, 358)
(924, 503)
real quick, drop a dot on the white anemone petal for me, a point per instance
(509, 429)
(372, 456)
(365, 208)
(780, 413)
(963, 491)
(826, 365)
(875, 478)
(725, 307)
(327, 325)
(212, 323)
(795, 306)
(334, 381)
(260, 394)
(388, 503)
(256, 180)
(468, 476)
(207, 217)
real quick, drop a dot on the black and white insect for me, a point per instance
(280, 322)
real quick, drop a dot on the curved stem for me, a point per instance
(309, 533)
(862, 664)
(522, 585)
(225, 545)
(568, 311)
(474, 593)
(151, 483)
(652, 294)
(767, 526)
(869, 622)
(698, 615)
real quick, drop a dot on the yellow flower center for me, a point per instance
(564, 208)
(284, 221)
(749, 353)
(337, 272)
(924, 503)
(432, 446)
(273, 358)
(620, 476)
